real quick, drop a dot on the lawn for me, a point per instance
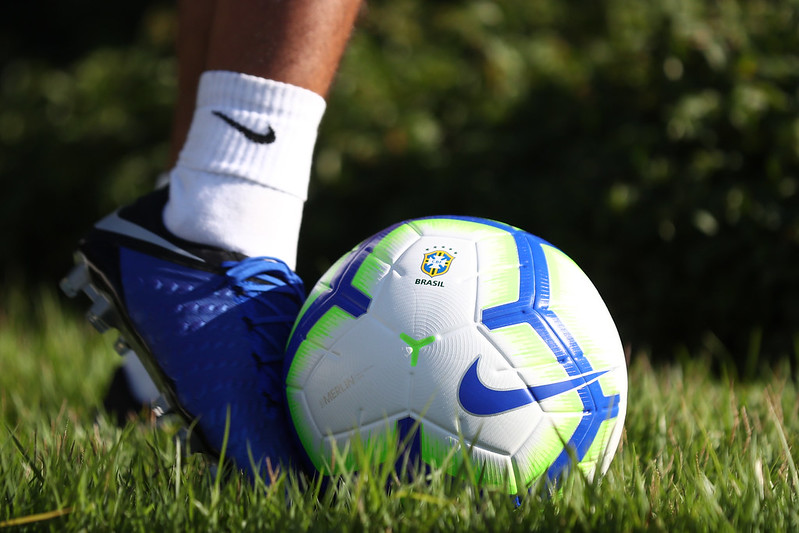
(702, 451)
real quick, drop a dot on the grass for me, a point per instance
(700, 453)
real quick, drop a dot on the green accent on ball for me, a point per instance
(369, 274)
(305, 358)
(498, 475)
(568, 402)
(438, 453)
(377, 264)
(416, 345)
(395, 242)
(527, 348)
(530, 354)
(449, 227)
(584, 314)
(322, 286)
(361, 451)
(549, 443)
(598, 449)
(322, 332)
(305, 431)
(499, 271)
(449, 455)
(319, 336)
(499, 259)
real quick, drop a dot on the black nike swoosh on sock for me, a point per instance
(258, 138)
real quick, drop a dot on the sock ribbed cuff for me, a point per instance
(255, 129)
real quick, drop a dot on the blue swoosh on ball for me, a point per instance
(478, 399)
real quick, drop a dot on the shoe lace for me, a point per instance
(269, 319)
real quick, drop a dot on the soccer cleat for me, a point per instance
(209, 325)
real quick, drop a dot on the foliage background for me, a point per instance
(654, 142)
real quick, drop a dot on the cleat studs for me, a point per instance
(161, 407)
(97, 322)
(122, 347)
(77, 279)
(99, 314)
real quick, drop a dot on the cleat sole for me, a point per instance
(76, 280)
(122, 347)
(103, 316)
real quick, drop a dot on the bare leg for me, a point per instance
(194, 35)
(298, 41)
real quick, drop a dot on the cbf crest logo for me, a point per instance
(437, 262)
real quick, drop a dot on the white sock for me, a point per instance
(237, 193)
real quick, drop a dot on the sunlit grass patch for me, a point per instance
(700, 452)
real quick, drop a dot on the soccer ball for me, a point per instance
(485, 340)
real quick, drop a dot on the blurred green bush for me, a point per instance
(654, 142)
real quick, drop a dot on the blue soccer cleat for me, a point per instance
(210, 326)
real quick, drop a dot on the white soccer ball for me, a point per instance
(488, 339)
